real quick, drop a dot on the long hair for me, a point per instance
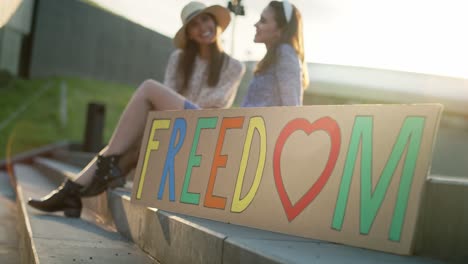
(291, 34)
(187, 61)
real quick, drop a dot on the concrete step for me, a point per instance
(75, 158)
(9, 243)
(52, 238)
(27, 156)
(176, 238)
(58, 171)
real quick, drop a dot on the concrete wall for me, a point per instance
(73, 38)
(367, 84)
(450, 156)
(334, 84)
(10, 50)
(340, 85)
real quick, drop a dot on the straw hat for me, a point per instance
(193, 9)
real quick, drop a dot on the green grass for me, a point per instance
(40, 123)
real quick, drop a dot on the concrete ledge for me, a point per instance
(26, 246)
(165, 236)
(9, 237)
(175, 238)
(53, 238)
(76, 158)
(57, 172)
(444, 230)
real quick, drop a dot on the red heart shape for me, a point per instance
(330, 126)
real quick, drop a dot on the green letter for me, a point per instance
(410, 135)
(194, 160)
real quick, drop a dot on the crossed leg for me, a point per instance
(150, 95)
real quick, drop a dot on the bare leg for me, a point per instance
(150, 95)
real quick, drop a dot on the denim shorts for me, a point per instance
(190, 105)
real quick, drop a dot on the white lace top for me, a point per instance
(198, 91)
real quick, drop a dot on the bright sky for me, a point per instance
(7, 9)
(425, 36)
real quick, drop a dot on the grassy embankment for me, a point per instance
(40, 122)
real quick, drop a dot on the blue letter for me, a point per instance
(180, 127)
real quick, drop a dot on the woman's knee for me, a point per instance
(148, 87)
(144, 87)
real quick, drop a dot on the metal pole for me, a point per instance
(233, 37)
(63, 104)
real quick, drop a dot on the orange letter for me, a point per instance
(219, 160)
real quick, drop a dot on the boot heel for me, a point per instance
(65, 198)
(74, 213)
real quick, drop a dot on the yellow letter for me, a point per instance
(238, 204)
(152, 145)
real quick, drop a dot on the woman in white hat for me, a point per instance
(199, 69)
(280, 79)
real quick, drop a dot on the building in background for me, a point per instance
(15, 35)
(75, 38)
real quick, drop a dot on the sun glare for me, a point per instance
(8, 8)
(423, 36)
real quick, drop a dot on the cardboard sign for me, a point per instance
(348, 174)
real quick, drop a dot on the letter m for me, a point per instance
(409, 138)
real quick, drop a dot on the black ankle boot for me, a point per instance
(65, 198)
(107, 175)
